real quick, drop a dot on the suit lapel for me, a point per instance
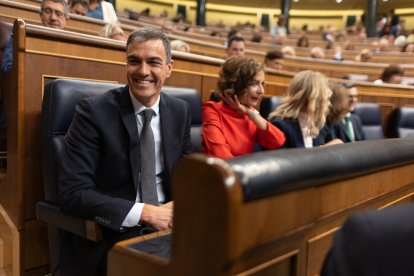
(343, 130)
(166, 120)
(129, 120)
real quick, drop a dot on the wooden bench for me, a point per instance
(42, 54)
(270, 213)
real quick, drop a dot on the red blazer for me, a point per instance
(228, 133)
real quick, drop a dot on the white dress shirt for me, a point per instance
(304, 119)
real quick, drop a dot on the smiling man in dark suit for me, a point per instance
(104, 168)
(349, 129)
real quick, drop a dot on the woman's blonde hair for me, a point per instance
(236, 75)
(106, 30)
(309, 93)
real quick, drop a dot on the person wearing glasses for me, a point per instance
(53, 14)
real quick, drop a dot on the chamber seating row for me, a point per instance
(42, 55)
(400, 123)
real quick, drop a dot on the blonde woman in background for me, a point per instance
(113, 31)
(303, 113)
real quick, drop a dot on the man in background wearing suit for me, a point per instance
(102, 171)
(374, 243)
(53, 14)
(349, 129)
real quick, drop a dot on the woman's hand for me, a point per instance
(235, 104)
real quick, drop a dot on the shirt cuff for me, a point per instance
(133, 216)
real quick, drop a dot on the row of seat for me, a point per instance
(401, 122)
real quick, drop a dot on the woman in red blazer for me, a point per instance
(233, 126)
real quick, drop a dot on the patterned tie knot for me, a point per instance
(148, 113)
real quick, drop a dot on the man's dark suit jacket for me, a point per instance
(101, 164)
(374, 243)
(340, 129)
(293, 133)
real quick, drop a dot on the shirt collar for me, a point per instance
(138, 107)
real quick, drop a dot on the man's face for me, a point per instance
(276, 63)
(79, 9)
(236, 49)
(147, 70)
(52, 15)
(353, 98)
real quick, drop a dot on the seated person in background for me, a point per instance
(339, 108)
(288, 51)
(278, 29)
(349, 128)
(364, 56)
(373, 243)
(235, 46)
(168, 28)
(338, 53)
(317, 52)
(392, 74)
(408, 48)
(113, 31)
(103, 10)
(53, 14)
(79, 7)
(274, 59)
(233, 126)
(303, 41)
(257, 36)
(120, 152)
(179, 45)
(303, 113)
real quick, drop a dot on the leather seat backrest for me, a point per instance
(192, 97)
(59, 101)
(269, 104)
(370, 114)
(401, 122)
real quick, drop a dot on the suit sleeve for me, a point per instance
(78, 193)
(187, 149)
(353, 250)
(215, 143)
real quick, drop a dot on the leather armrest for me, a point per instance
(51, 214)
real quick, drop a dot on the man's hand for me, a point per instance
(159, 217)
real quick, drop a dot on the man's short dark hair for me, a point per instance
(275, 54)
(151, 33)
(83, 3)
(234, 38)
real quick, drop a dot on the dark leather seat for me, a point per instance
(370, 114)
(59, 101)
(269, 104)
(192, 97)
(401, 122)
